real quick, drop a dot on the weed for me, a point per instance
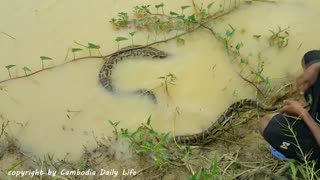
(120, 22)
(211, 173)
(279, 38)
(8, 67)
(26, 69)
(132, 34)
(44, 58)
(74, 50)
(118, 39)
(168, 79)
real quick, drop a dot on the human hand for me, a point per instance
(308, 78)
(293, 108)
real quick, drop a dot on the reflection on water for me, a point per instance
(66, 106)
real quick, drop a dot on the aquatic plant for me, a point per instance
(121, 21)
(118, 39)
(26, 69)
(141, 11)
(8, 67)
(168, 79)
(158, 6)
(279, 38)
(44, 58)
(132, 34)
(74, 50)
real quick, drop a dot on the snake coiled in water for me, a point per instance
(198, 139)
(130, 51)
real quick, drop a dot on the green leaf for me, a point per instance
(143, 148)
(153, 133)
(159, 5)
(10, 66)
(26, 69)
(45, 58)
(197, 175)
(184, 7)
(181, 17)
(159, 148)
(149, 120)
(76, 49)
(121, 39)
(132, 33)
(257, 36)
(209, 5)
(93, 46)
(173, 13)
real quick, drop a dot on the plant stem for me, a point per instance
(25, 72)
(9, 73)
(42, 64)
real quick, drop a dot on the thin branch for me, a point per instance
(215, 16)
(8, 35)
(250, 82)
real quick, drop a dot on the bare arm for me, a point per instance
(296, 109)
(312, 125)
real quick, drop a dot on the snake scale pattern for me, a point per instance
(231, 114)
(198, 139)
(130, 51)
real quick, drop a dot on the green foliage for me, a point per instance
(8, 67)
(26, 69)
(93, 46)
(114, 125)
(169, 78)
(161, 5)
(209, 6)
(76, 49)
(211, 173)
(279, 38)
(118, 39)
(145, 140)
(181, 41)
(156, 146)
(141, 11)
(45, 58)
(121, 21)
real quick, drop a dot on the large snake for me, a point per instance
(130, 51)
(231, 114)
(197, 139)
(228, 116)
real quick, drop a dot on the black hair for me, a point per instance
(311, 57)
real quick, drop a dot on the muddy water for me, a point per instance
(64, 108)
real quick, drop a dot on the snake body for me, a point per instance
(228, 116)
(197, 139)
(130, 51)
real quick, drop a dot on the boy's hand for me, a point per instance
(293, 108)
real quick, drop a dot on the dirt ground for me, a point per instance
(241, 151)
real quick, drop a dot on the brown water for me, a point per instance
(207, 82)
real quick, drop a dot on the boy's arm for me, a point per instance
(294, 108)
(312, 125)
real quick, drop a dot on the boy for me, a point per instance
(306, 126)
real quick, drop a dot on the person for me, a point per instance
(295, 131)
